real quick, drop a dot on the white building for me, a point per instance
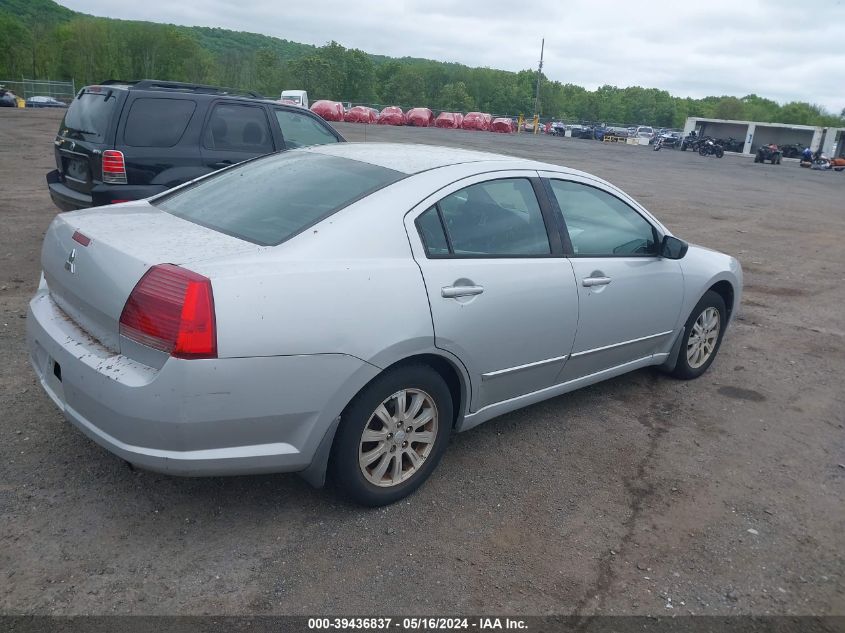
(755, 134)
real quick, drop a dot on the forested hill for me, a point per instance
(42, 39)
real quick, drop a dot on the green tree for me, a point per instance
(405, 88)
(317, 75)
(729, 108)
(15, 47)
(269, 75)
(455, 97)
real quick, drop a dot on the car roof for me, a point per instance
(171, 89)
(413, 159)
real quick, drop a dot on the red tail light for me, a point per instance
(172, 309)
(114, 167)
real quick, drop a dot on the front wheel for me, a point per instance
(702, 151)
(702, 337)
(392, 435)
(719, 153)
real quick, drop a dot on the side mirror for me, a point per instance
(673, 248)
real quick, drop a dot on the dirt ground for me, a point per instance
(642, 495)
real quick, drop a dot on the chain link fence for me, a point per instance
(25, 88)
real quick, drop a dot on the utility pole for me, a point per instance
(539, 76)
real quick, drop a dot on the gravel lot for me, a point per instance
(641, 495)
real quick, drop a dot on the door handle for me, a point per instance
(589, 282)
(221, 164)
(450, 292)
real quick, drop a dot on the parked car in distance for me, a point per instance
(44, 102)
(198, 332)
(644, 131)
(123, 140)
(295, 97)
(8, 99)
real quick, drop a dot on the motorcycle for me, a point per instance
(824, 162)
(709, 147)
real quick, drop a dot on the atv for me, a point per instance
(769, 153)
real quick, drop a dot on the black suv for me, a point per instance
(124, 140)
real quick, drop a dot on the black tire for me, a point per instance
(757, 158)
(683, 369)
(344, 469)
(719, 153)
(702, 151)
(683, 147)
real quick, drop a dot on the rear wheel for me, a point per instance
(702, 151)
(720, 152)
(392, 435)
(702, 338)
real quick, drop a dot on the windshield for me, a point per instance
(270, 200)
(293, 99)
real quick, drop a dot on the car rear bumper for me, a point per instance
(192, 417)
(68, 199)
(63, 196)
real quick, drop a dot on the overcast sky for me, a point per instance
(787, 50)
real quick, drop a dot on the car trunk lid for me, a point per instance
(93, 258)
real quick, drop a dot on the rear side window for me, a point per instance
(270, 200)
(431, 231)
(301, 130)
(238, 128)
(157, 122)
(499, 218)
(89, 115)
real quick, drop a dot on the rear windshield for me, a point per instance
(269, 200)
(89, 115)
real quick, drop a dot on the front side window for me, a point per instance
(600, 224)
(301, 130)
(238, 128)
(495, 218)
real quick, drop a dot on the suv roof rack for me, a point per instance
(180, 86)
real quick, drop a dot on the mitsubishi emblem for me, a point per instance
(69, 262)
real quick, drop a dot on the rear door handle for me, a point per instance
(221, 164)
(595, 281)
(450, 292)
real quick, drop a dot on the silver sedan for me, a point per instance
(343, 309)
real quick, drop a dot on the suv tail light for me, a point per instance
(114, 167)
(172, 309)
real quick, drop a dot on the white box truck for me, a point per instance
(296, 97)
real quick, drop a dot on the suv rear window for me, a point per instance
(268, 201)
(89, 115)
(157, 122)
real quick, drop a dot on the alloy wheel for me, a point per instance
(703, 338)
(398, 437)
